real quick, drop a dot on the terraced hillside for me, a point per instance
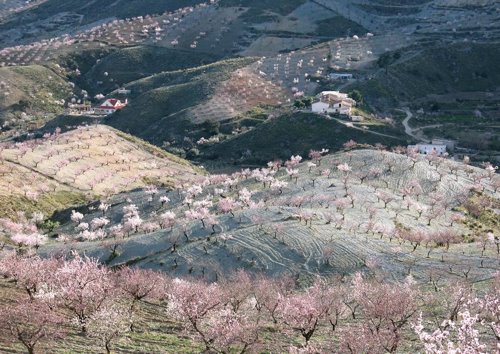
(53, 17)
(66, 169)
(358, 210)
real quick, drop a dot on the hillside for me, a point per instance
(294, 133)
(30, 96)
(50, 18)
(161, 105)
(102, 71)
(425, 74)
(384, 212)
(62, 170)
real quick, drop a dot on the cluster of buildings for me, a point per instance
(333, 102)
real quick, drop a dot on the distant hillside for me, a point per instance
(291, 134)
(92, 11)
(419, 73)
(159, 105)
(103, 70)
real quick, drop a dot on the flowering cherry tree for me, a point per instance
(30, 323)
(83, 286)
(108, 324)
(193, 302)
(34, 274)
(139, 285)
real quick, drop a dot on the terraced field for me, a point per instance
(61, 170)
(309, 223)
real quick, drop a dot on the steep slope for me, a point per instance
(102, 71)
(160, 108)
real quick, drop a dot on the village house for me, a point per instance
(110, 106)
(450, 144)
(428, 149)
(333, 102)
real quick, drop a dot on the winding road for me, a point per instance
(408, 129)
(416, 133)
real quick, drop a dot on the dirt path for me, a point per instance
(416, 133)
(366, 131)
(408, 129)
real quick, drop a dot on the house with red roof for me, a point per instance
(110, 106)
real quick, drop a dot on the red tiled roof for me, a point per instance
(113, 104)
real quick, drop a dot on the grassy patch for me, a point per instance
(481, 215)
(338, 26)
(47, 203)
(34, 90)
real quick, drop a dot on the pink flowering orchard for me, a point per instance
(222, 176)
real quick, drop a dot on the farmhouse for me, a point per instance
(450, 144)
(110, 106)
(340, 76)
(428, 149)
(333, 102)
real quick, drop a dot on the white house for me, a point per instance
(110, 106)
(357, 118)
(320, 107)
(450, 144)
(428, 149)
(333, 102)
